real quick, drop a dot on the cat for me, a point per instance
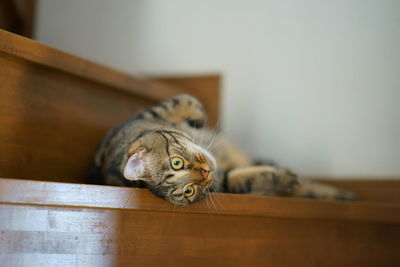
(167, 150)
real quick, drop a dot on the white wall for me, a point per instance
(314, 85)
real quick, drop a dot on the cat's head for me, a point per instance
(171, 165)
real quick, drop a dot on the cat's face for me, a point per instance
(171, 165)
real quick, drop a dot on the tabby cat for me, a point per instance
(167, 150)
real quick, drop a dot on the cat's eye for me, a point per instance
(189, 191)
(176, 163)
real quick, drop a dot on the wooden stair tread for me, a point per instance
(15, 191)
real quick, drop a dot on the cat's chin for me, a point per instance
(183, 202)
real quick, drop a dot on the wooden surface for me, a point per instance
(80, 195)
(92, 225)
(18, 16)
(32, 54)
(64, 236)
(55, 108)
(379, 190)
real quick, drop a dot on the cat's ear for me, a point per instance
(135, 166)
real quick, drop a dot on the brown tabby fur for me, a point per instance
(139, 153)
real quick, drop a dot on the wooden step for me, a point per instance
(54, 110)
(44, 223)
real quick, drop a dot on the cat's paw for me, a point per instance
(261, 180)
(191, 110)
(272, 180)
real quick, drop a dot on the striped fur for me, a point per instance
(140, 152)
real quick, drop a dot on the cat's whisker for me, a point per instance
(214, 146)
(207, 195)
(213, 203)
(211, 139)
(213, 187)
(207, 203)
(217, 142)
(203, 135)
(218, 201)
(202, 132)
(214, 129)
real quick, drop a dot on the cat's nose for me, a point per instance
(205, 173)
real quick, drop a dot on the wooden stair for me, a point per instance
(54, 110)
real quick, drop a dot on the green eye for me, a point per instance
(176, 163)
(189, 191)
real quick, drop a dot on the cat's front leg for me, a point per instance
(260, 180)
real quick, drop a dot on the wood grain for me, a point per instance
(89, 225)
(18, 16)
(17, 48)
(55, 108)
(377, 190)
(111, 197)
(173, 239)
(47, 131)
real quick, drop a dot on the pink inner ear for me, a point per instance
(134, 168)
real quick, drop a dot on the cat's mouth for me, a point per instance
(202, 175)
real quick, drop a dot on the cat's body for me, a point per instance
(166, 150)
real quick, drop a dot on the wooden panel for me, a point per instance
(30, 52)
(55, 108)
(206, 88)
(173, 239)
(47, 132)
(111, 226)
(18, 16)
